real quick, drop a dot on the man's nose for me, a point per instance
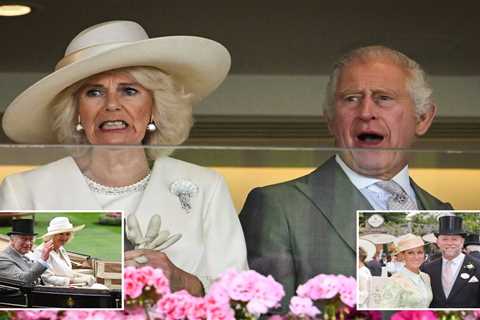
(367, 109)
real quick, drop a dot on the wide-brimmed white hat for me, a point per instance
(368, 247)
(407, 242)
(378, 238)
(60, 225)
(198, 64)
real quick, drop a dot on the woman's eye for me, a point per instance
(129, 91)
(93, 93)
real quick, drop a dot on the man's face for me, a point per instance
(450, 245)
(373, 109)
(23, 244)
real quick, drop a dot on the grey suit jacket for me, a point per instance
(300, 228)
(13, 266)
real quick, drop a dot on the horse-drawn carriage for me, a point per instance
(17, 294)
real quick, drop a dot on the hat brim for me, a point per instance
(200, 65)
(21, 233)
(463, 234)
(378, 238)
(52, 233)
(368, 247)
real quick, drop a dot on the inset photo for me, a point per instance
(61, 259)
(418, 260)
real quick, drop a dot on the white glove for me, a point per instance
(154, 238)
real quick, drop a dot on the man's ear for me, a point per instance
(424, 121)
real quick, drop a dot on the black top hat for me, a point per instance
(472, 238)
(22, 227)
(450, 225)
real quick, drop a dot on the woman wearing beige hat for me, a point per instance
(60, 272)
(116, 86)
(408, 287)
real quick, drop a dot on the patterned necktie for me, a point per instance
(447, 278)
(399, 199)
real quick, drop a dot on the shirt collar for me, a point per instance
(456, 261)
(360, 181)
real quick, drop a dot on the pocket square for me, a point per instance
(473, 279)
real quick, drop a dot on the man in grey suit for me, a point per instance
(376, 98)
(13, 262)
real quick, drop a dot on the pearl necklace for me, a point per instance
(117, 191)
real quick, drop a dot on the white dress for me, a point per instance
(363, 277)
(406, 289)
(212, 239)
(59, 272)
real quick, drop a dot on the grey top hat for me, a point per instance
(22, 227)
(472, 238)
(450, 225)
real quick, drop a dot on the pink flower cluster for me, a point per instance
(135, 280)
(75, 315)
(326, 286)
(181, 305)
(414, 315)
(258, 292)
(322, 287)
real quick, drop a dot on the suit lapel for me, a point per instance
(336, 198)
(459, 281)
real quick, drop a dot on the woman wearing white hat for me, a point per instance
(115, 86)
(60, 272)
(409, 287)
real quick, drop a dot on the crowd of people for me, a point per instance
(413, 279)
(116, 86)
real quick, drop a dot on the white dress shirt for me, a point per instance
(456, 264)
(376, 196)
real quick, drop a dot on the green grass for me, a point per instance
(100, 241)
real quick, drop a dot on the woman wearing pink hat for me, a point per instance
(409, 287)
(116, 86)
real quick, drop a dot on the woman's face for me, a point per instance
(114, 109)
(413, 258)
(60, 239)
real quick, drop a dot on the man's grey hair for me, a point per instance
(172, 110)
(417, 84)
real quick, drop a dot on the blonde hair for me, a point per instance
(172, 110)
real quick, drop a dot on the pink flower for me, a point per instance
(276, 317)
(259, 292)
(34, 315)
(303, 307)
(144, 275)
(160, 282)
(414, 315)
(178, 305)
(348, 290)
(322, 286)
(218, 310)
(133, 289)
(94, 315)
(476, 313)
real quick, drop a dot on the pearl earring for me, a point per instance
(151, 126)
(79, 126)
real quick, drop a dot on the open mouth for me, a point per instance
(370, 138)
(113, 125)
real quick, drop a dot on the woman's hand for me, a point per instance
(178, 278)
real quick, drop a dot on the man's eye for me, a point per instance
(129, 91)
(352, 98)
(94, 93)
(384, 98)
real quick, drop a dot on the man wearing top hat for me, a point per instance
(13, 262)
(455, 277)
(472, 245)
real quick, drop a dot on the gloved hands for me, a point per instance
(154, 239)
